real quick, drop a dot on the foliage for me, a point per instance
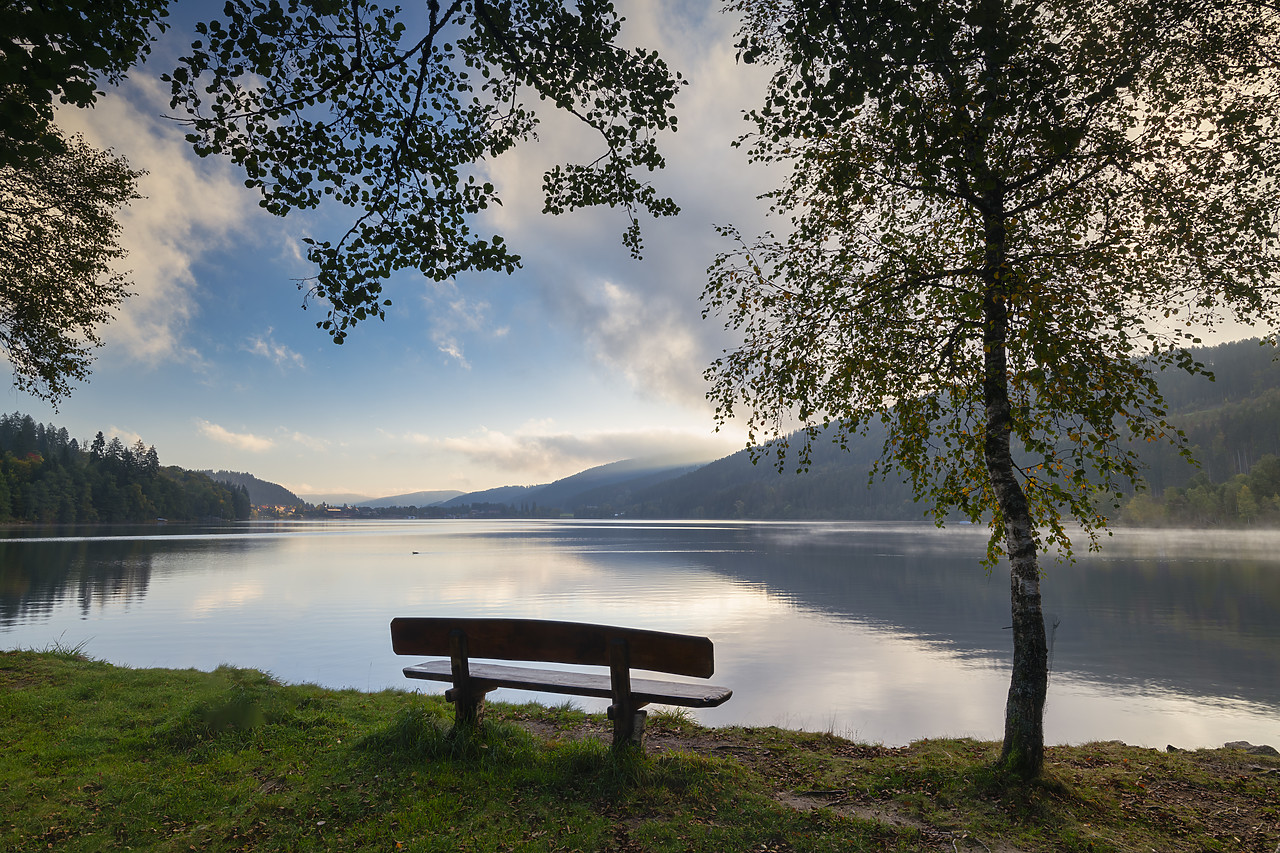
(907, 147)
(63, 51)
(58, 195)
(58, 241)
(48, 477)
(997, 211)
(391, 116)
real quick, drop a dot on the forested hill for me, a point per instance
(261, 492)
(602, 491)
(1242, 370)
(47, 476)
(1233, 427)
(836, 486)
(1232, 423)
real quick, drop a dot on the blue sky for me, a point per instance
(583, 357)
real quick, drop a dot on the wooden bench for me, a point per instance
(620, 649)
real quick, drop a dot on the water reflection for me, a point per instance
(888, 633)
(39, 575)
(36, 578)
(1202, 624)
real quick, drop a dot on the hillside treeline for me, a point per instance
(836, 486)
(1232, 426)
(46, 476)
(261, 492)
(1243, 500)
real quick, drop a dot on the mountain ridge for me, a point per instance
(423, 498)
(1230, 424)
(261, 492)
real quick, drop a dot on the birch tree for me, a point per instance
(1004, 218)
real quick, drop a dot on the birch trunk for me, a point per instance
(1023, 753)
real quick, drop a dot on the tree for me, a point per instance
(150, 463)
(384, 112)
(115, 455)
(1006, 217)
(62, 51)
(347, 102)
(58, 240)
(58, 195)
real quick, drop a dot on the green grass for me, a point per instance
(95, 757)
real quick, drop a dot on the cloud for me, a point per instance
(308, 441)
(274, 351)
(647, 341)
(127, 436)
(259, 444)
(642, 320)
(241, 441)
(551, 455)
(453, 316)
(190, 208)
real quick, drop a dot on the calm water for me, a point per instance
(885, 633)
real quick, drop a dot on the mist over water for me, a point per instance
(882, 632)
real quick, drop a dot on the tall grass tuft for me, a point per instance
(423, 734)
(60, 650)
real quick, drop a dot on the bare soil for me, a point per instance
(1215, 799)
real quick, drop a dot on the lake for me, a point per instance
(885, 633)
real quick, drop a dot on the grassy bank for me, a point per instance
(94, 758)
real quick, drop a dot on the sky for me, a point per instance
(581, 358)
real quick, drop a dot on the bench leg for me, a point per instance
(467, 707)
(468, 702)
(628, 719)
(628, 726)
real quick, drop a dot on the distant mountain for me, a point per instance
(336, 498)
(261, 492)
(834, 487)
(603, 490)
(732, 487)
(612, 485)
(1230, 423)
(509, 495)
(412, 499)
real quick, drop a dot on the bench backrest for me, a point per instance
(555, 642)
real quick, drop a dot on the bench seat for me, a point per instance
(644, 690)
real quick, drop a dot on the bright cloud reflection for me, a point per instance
(214, 602)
